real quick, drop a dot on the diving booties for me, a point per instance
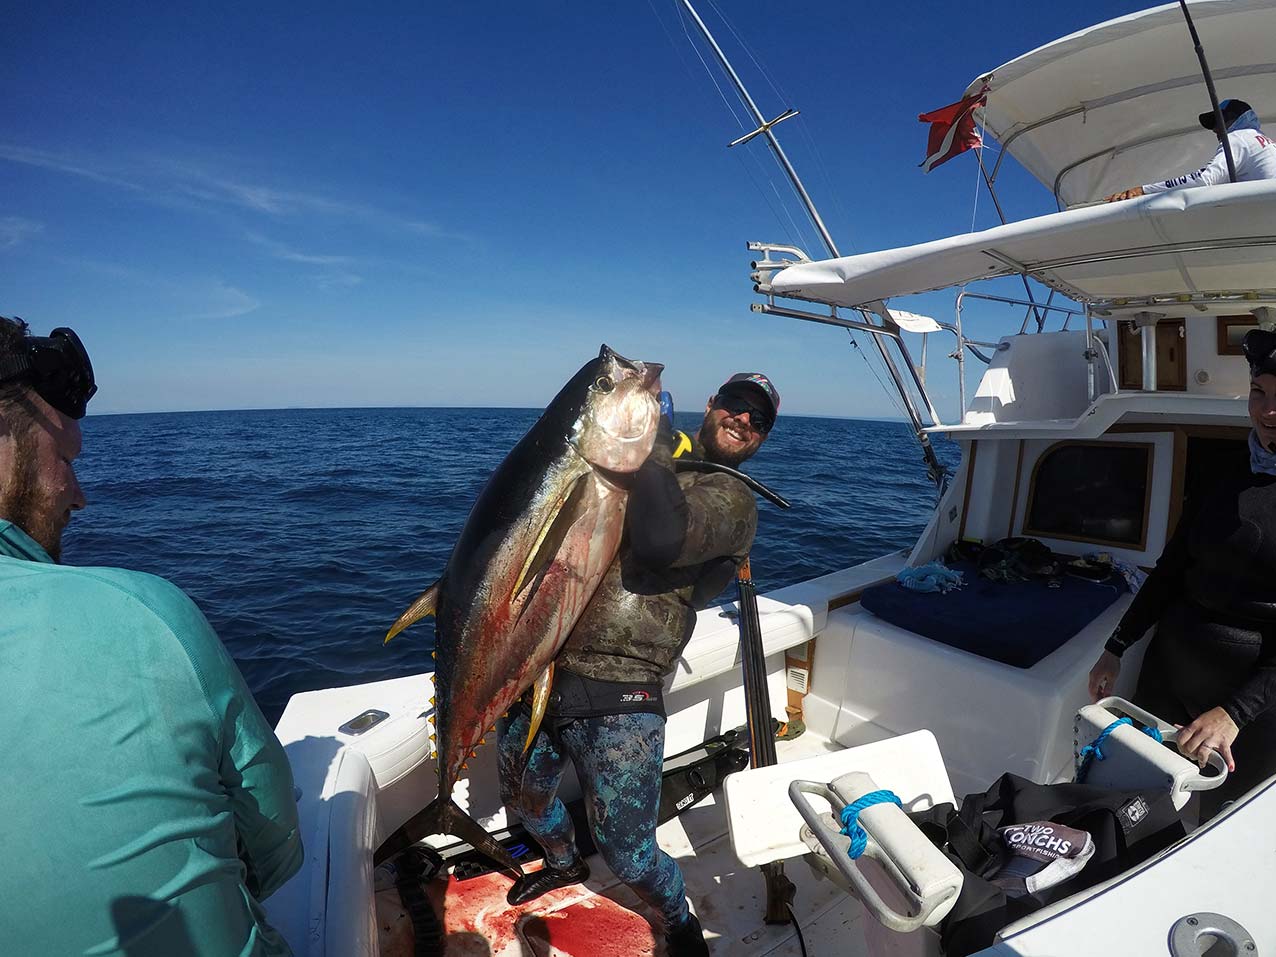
(531, 886)
(687, 939)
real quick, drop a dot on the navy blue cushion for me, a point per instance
(1016, 623)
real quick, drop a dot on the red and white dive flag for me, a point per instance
(952, 130)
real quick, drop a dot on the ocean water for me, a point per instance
(302, 534)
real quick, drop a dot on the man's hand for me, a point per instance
(1103, 675)
(1213, 731)
(1131, 193)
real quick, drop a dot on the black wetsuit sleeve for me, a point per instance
(669, 526)
(1258, 693)
(1164, 583)
(656, 516)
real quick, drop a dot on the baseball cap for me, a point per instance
(1232, 110)
(1042, 854)
(756, 384)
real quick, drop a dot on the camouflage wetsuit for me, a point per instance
(685, 537)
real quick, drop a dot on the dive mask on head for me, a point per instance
(57, 367)
(1259, 346)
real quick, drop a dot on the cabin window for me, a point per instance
(1231, 330)
(1092, 492)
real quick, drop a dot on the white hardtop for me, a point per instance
(1116, 105)
(1209, 240)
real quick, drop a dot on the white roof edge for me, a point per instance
(1173, 408)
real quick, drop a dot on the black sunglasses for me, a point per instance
(760, 419)
(58, 369)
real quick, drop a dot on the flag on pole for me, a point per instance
(952, 130)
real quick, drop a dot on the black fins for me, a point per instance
(444, 816)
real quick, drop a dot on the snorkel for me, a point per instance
(57, 368)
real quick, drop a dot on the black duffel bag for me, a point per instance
(1127, 828)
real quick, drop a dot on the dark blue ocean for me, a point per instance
(302, 534)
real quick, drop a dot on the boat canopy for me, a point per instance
(1202, 241)
(1116, 105)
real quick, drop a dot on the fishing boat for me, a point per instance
(1118, 388)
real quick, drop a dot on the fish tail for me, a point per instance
(444, 816)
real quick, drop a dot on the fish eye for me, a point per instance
(604, 384)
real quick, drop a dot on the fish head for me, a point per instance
(619, 413)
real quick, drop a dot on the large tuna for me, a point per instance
(531, 554)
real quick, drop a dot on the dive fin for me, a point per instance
(444, 816)
(422, 607)
(550, 538)
(540, 700)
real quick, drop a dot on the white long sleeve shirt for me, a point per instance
(1252, 151)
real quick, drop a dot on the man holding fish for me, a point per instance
(576, 579)
(686, 535)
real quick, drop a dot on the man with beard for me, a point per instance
(686, 535)
(150, 807)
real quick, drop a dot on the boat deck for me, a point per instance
(728, 898)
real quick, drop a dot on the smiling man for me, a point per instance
(150, 806)
(686, 535)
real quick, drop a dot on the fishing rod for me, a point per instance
(933, 466)
(1220, 126)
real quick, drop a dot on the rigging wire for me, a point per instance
(763, 182)
(784, 206)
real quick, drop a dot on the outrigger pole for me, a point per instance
(934, 469)
(1220, 126)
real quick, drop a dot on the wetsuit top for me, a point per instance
(148, 806)
(1252, 151)
(1222, 558)
(685, 536)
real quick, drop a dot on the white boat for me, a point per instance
(1137, 380)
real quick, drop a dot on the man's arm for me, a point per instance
(251, 762)
(669, 527)
(258, 779)
(1211, 174)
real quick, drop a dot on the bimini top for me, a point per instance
(1202, 241)
(1116, 105)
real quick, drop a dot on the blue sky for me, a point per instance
(273, 205)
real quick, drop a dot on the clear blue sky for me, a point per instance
(285, 204)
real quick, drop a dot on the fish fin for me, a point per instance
(444, 816)
(549, 539)
(540, 700)
(425, 605)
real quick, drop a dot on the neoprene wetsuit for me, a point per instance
(1212, 597)
(686, 535)
(149, 806)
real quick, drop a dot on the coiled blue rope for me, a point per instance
(1094, 750)
(850, 818)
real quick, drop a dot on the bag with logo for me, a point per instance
(693, 775)
(1003, 884)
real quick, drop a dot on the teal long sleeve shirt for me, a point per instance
(147, 806)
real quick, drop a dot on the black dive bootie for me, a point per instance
(531, 886)
(687, 939)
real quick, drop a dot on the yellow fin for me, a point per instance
(551, 536)
(423, 606)
(540, 699)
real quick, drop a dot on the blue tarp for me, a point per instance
(1017, 623)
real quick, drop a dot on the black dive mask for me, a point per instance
(57, 367)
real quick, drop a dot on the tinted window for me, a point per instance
(1095, 493)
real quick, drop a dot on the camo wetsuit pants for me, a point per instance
(618, 759)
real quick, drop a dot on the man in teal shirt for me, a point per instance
(148, 807)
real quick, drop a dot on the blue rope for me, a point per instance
(850, 818)
(1094, 750)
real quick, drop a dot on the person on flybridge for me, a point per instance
(1253, 153)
